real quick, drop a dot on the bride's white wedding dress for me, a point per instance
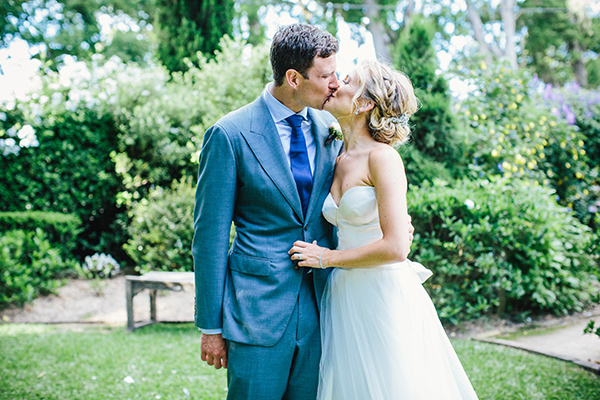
(381, 336)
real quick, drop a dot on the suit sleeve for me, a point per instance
(213, 213)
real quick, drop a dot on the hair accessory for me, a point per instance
(403, 119)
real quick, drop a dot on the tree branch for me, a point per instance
(477, 26)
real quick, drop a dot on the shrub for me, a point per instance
(580, 108)
(69, 172)
(61, 229)
(97, 137)
(100, 265)
(29, 266)
(592, 329)
(501, 246)
(435, 150)
(161, 229)
(162, 121)
(97, 269)
(513, 132)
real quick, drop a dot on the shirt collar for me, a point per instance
(278, 110)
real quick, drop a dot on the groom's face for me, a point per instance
(320, 85)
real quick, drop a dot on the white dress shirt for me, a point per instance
(280, 112)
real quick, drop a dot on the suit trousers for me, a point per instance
(287, 370)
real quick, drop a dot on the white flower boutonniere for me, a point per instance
(335, 133)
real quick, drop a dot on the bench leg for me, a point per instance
(129, 300)
(153, 305)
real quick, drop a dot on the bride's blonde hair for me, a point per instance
(394, 98)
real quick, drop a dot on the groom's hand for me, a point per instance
(214, 350)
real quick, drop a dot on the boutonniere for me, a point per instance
(335, 133)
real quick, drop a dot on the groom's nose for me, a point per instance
(334, 84)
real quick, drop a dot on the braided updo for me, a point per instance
(394, 98)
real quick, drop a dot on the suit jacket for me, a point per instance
(250, 290)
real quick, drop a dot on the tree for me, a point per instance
(186, 27)
(378, 13)
(435, 150)
(482, 27)
(557, 39)
(55, 28)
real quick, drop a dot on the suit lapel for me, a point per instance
(324, 162)
(265, 143)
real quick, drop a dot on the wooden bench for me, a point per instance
(153, 281)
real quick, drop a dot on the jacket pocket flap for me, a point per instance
(249, 265)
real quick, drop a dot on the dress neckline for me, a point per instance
(337, 205)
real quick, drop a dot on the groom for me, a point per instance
(266, 168)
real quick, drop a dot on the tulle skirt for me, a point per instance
(382, 339)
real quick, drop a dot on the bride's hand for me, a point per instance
(308, 255)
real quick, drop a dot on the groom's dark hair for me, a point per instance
(296, 46)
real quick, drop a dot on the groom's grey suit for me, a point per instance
(252, 292)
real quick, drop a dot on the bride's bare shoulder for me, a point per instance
(384, 154)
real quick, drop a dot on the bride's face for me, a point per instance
(341, 103)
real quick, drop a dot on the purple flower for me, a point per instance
(499, 166)
(569, 115)
(547, 95)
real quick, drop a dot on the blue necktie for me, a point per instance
(299, 161)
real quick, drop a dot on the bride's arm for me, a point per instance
(386, 172)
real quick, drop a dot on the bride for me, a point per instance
(381, 337)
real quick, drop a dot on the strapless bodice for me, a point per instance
(356, 217)
(357, 220)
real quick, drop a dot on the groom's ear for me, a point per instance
(292, 76)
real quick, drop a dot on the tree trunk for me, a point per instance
(507, 11)
(408, 13)
(578, 65)
(478, 34)
(381, 40)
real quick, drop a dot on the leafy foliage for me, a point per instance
(29, 266)
(556, 42)
(61, 229)
(581, 108)
(591, 328)
(73, 158)
(514, 132)
(105, 134)
(435, 150)
(162, 122)
(502, 246)
(161, 229)
(186, 27)
(61, 28)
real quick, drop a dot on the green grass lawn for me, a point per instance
(52, 362)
